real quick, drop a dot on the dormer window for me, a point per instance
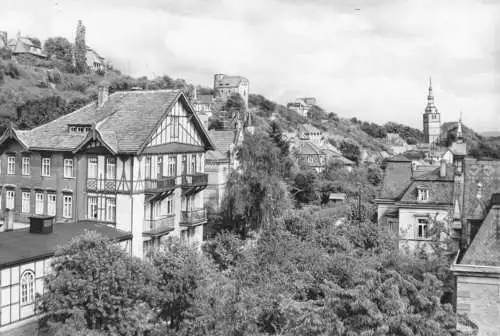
(79, 129)
(422, 194)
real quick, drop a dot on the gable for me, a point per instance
(177, 127)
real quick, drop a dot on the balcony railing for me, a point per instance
(159, 184)
(156, 226)
(195, 180)
(193, 217)
(95, 184)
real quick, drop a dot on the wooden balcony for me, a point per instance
(159, 226)
(193, 217)
(195, 180)
(159, 185)
(95, 184)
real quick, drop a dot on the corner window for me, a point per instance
(68, 168)
(11, 165)
(147, 173)
(172, 165)
(67, 206)
(110, 168)
(26, 166)
(27, 287)
(92, 167)
(110, 209)
(423, 228)
(45, 166)
(92, 207)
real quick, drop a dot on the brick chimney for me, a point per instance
(442, 169)
(102, 94)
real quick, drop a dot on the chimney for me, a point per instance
(102, 94)
(442, 169)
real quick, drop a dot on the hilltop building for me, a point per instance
(302, 105)
(225, 86)
(203, 103)
(95, 62)
(24, 45)
(132, 160)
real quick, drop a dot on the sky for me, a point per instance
(369, 59)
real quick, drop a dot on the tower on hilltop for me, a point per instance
(432, 119)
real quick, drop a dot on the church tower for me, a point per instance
(432, 119)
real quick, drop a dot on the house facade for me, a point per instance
(25, 260)
(25, 45)
(133, 160)
(225, 86)
(302, 105)
(95, 62)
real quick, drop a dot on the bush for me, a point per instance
(224, 250)
(12, 70)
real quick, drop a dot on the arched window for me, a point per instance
(27, 287)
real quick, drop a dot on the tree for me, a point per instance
(255, 197)
(96, 284)
(235, 108)
(304, 186)
(60, 48)
(277, 137)
(350, 150)
(80, 49)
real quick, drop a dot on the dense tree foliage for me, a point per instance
(350, 150)
(410, 134)
(60, 48)
(373, 130)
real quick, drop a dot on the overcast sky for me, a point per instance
(365, 58)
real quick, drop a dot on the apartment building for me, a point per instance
(132, 160)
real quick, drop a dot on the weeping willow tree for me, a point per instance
(255, 195)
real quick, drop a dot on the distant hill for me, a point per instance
(490, 134)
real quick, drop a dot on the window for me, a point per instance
(11, 165)
(174, 127)
(68, 167)
(51, 204)
(423, 228)
(110, 209)
(92, 167)
(67, 206)
(200, 160)
(159, 166)
(26, 166)
(10, 199)
(156, 209)
(39, 203)
(392, 225)
(45, 166)
(110, 168)
(27, 287)
(172, 165)
(25, 204)
(193, 163)
(147, 173)
(422, 194)
(170, 205)
(92, 207)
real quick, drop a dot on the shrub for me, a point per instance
(12, 70)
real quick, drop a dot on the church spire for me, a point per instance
(431, 107)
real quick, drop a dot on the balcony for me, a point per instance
(94, 184)
(195, 180)
(158, 185)
(193, 217)
(156, 227)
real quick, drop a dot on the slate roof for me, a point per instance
(308, 148)
(21, 246)
(440, 192)
(397, 177)
(222, 140)
(124, 122)
(485, 248)
(215, 156)
(486, 173)
(230, 81)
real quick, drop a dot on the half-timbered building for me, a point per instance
(132, 160)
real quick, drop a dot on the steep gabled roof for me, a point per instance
(223, 140)
(440, 192)
(230, 81)
(124, 123)
(397, 178)
(485, 248)
(308, 148)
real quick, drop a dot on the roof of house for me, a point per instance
(342, 160)
(485, 247)
(24, 44)
(482, 180)
(21, 246)
(397, 178)
(230, 81)
(308, 148)
(124, 123)
(215, 156)
(204, 99)
(223, 139)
